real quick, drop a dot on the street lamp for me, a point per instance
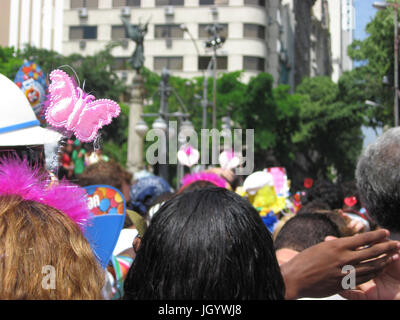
(382, 6)
(204, 100)
(215, 41)
(141, 128)
(160, 123)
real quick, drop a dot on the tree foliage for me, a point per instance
(374, 57)
(309, 132)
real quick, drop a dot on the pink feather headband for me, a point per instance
(18, 178)
(204, 176)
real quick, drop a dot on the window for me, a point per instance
(118, 32)
(84, 4)
(213, 2)
(203, 33)
(170, 3)
(171, 63)
(120, 63)
(260, 3)
(86, 32)
(168, 31)
(254, 63)
(126, 3)
(222, 63)
(253, 31)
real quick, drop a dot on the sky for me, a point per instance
(364, 14)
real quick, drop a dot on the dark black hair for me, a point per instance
(327, 192)
(313, 206)
(200, 184)
(206, 244)
(304, 231)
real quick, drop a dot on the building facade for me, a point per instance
(35, 22)
(177, 32)
(342, 26)
(316, 34)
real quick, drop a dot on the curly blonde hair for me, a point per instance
(33, 236)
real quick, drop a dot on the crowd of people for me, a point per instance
(75, 157)
(213, 238)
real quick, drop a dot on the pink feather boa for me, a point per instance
(204, 176)
(18, 178)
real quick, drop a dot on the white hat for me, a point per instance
(256, 181)
(18, 123)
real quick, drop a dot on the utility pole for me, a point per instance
(215, 41)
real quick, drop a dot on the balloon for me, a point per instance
(32, 81)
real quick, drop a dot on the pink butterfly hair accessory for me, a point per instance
(17, 177)
(71, 109)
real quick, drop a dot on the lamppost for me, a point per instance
(204, 101)
(162, 123)
(215, 41)
(382, 6)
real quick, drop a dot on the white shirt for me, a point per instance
(125, 240)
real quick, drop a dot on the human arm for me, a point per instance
(317, 271)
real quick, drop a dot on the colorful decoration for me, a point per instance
(350, 201)
(257, 180)
(32, 81)
(121, 265)
(308, 183)
(188, 156)
(280, 180)
(270, 221)
(228, 160)
(105, 200)
(75, 111)
(204, 176)
(17, 177)
(108, 209)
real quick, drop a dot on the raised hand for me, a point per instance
(317, 271)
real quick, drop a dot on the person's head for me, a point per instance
(378, 180)
(33, 237)
(69, 147)
(313, 206)
(77, 145)
(197, 185)
(158, 202)
(109, 173)
(41, 232)
(304, 231)
(145, 191)
(324, 191)
(205, 244)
